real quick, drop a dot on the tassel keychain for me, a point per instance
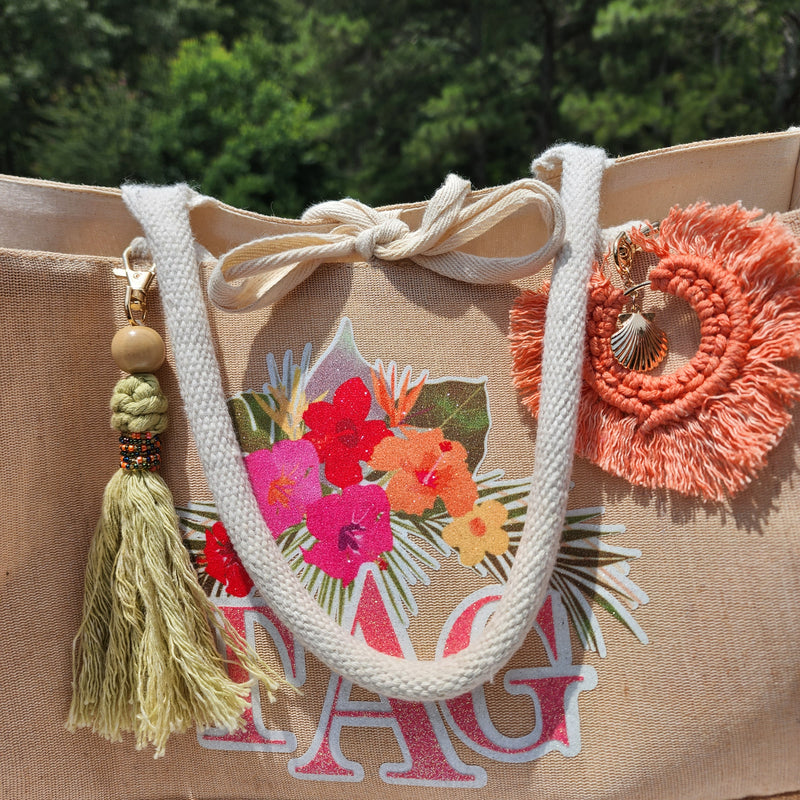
(145, 658)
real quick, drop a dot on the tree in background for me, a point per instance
(35, 62)
(671, 71)
(277, 105)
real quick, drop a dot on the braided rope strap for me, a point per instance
(163, 213)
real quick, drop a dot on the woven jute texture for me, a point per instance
(708, 708)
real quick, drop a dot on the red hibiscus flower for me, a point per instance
(351, 528)
(222, 563)
(342, 434)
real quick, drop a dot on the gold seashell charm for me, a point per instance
(638, 343)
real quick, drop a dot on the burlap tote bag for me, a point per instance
(372, 421)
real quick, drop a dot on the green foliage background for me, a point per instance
(278, 104)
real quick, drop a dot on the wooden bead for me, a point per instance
(137, 348)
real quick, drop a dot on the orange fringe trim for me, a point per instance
(707, 428)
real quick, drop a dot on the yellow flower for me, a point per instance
(479, 532)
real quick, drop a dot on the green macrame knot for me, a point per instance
(139, 405)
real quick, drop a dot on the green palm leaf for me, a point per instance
(588, 569)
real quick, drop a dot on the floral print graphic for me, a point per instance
(357, 466)
(285, 482)
(351, 528)
(342, 434)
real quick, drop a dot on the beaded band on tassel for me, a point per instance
(145, 658)
(140, 451)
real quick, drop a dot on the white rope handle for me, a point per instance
(163, 213)
(261, 272)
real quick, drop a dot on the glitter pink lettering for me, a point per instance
(552, 690)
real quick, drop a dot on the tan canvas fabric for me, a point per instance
(708, 708)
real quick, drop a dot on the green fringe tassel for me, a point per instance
(145, 658)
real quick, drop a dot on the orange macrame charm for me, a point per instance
(705, 429)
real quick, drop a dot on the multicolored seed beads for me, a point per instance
(140, 451)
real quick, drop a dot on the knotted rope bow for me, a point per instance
(261, 272)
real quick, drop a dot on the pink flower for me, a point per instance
(351, 528)
(221, 562)
(342, 434)
(285, 482)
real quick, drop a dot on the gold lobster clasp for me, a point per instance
(138, 282)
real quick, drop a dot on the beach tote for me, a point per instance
(372, 420)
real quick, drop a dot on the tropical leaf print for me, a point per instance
(276, 413)
(589, 571)
(254, 426)
(194, 520)
(354, 464)
(340, 362)
(460, 409)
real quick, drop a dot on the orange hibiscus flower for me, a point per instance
(425, 466)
